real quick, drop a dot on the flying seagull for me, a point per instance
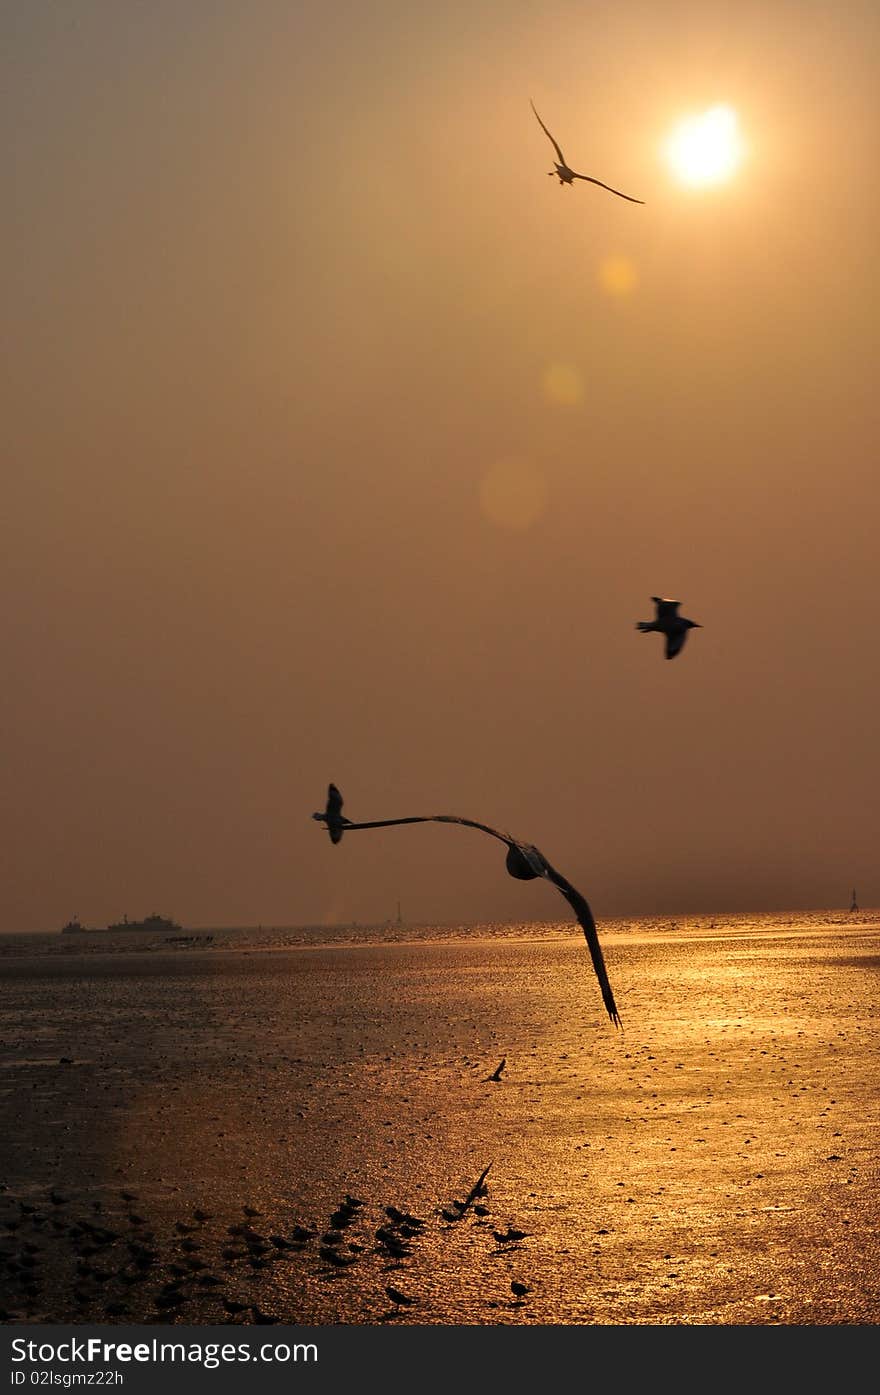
(524, 861)
(566, 175)
(333, 816)
(666, 622)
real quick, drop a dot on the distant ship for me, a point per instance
(150, 922)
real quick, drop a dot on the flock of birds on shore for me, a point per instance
(107, 1260)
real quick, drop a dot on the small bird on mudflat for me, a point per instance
(403, 1217)
(510, 1237)
(566, 175)
(668, 622)
(401, 1299)
(517, 1289)
(333, 1256)
(496, 1074)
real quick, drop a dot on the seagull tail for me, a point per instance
(644, 625)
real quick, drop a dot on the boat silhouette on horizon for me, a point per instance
(150, 922)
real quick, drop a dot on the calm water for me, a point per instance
(714, 1162)
(218, 939)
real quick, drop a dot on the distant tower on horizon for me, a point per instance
(400, 917)
(855, 905)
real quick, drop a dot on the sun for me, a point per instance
(706, 149)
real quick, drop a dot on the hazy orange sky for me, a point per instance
(288, 300)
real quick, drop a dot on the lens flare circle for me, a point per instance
(562, 385)
(513, 495)
(706, 149)
(618, 276)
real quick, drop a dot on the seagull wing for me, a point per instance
(524, 861)
(585, 919)
(665, 609)
(551, 140)
(675, 643)
(591, 180)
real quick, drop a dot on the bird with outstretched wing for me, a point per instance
(524, 861)
(332, 814)
(566, 174)
(669, 623)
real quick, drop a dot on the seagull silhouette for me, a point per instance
(524, 861)
(567, 175)
(333, 816)
(667, 622)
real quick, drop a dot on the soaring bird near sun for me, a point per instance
(566, 175)
(667, 622)
(524, 861)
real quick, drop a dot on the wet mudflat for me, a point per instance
(254, 1133)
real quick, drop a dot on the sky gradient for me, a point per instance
(342, 444)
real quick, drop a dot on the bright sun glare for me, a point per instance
(706, 149)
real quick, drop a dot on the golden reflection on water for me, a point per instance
(686, 1170)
